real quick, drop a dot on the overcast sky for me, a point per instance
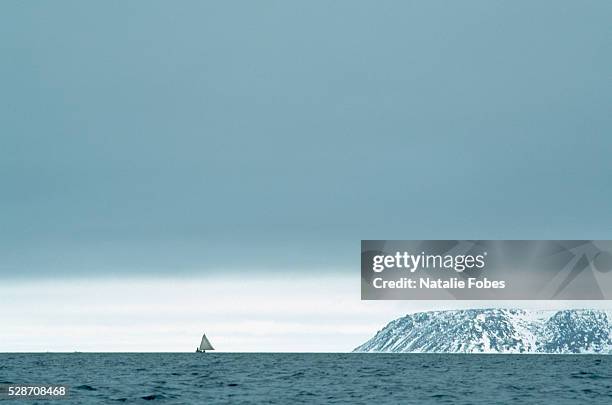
(155, 136)
(201, 139)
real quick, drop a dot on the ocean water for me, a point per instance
(315, 378)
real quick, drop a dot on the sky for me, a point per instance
(260, 314)
(199, 140)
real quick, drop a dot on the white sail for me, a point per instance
(205, 344)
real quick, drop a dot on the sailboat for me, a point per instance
(204, 345)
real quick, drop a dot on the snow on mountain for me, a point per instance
(496, 331)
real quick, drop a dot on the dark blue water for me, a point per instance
(317, 378)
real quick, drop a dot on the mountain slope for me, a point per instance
(496, 331)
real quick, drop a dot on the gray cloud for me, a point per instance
(153, 137)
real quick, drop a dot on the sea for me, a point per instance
(325, 378)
